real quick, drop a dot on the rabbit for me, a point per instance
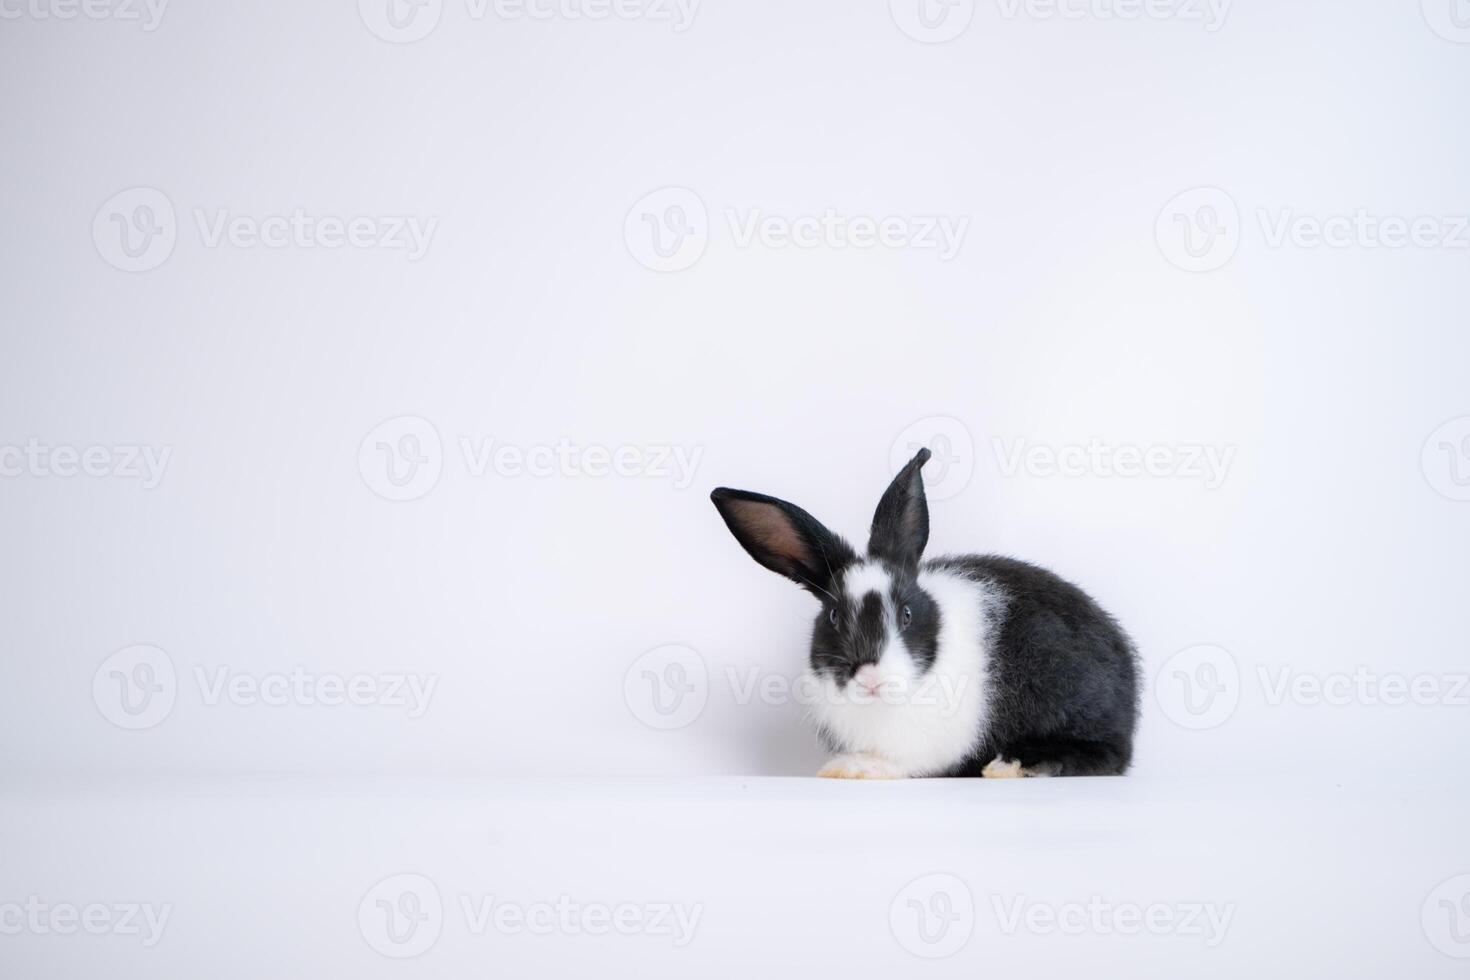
(965, 665)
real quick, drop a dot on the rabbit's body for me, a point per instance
(956, 666)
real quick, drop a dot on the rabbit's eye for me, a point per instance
(832, 615)
(905, 617)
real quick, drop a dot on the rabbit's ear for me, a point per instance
(901, 522)
(784, 538)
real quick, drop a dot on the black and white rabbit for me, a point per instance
(964, 665)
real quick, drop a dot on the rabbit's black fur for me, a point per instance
(1064, 675)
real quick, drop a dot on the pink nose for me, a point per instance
(868, 678)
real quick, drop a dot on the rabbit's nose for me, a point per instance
(868, 678)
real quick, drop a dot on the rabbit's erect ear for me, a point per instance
(784, 538)
(901, 522)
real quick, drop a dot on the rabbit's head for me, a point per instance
(877, 633)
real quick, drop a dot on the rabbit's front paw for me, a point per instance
(858, 766)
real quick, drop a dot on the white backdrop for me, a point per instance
(518, 151)
(387, 353)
